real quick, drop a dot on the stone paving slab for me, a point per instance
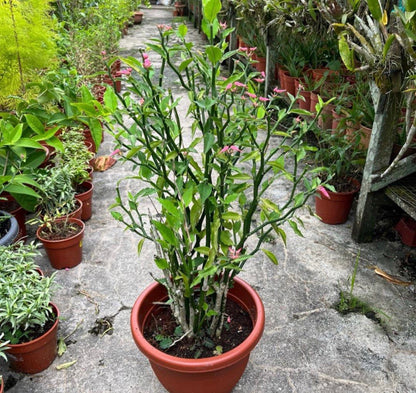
(307, 346)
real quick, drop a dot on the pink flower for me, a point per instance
(223, 25)
(229, 86)
(278, 91)
(264, 99)
(141, 101)
(322, 190)
(147, 64)
(251, 95)
(259, 80)
(263, 74)
(117, 151)
(228, 319)
(127, 72)
(298, 119)
(239, 84)
(103, 52)
(253, 48)
(145, 56)
(234, 148)
(243, 49)
(233, 253)
(230, 149)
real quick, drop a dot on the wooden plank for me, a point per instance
(404, 167)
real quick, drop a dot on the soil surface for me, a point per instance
(60, 230)
(234, 333)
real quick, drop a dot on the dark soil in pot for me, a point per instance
(163, 325)
(60, 230)
(4, 226)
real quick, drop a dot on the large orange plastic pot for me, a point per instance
(35, 356)
(217, 374)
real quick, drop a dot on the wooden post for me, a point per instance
(378, 157)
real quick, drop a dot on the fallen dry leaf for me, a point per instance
(102, 163)
(388, 277)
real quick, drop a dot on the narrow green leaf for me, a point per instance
(271, 256)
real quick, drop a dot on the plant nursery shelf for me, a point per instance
(403, 193)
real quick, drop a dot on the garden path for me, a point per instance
(307, 346)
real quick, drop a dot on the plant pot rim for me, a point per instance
(80, 223)
(199, 365)
(21, 348)
(13, 231)
(352, 180)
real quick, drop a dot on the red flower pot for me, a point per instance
(335, 209)
(85, 196)
(406, 228)
(137, 17)
(64, 253)
(35, 356)
(217, 374)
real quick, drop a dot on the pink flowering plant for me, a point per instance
(210, 186)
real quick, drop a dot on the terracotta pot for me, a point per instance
(11, 206)
(359, 131)
(338, 122)
(138, 17)
(306, 103)
(261, 64)
(325, 119)
(335, 209)
(365, 135)
(406, 228)
(289, 82)
(1, 384)
(217, 374)
(36, 355)
(314, 101)
(180, 9)
(64, 253)
(77, 213)
(12, 228)
(86, 198)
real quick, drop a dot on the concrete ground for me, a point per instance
(307, 345)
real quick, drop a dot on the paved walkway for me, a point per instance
(307, 346)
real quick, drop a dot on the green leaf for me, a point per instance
(110, 100)
(375, 9)
(387, 45)
(35, 124)
(271, 256)
(161, 263)
(295, 228)
(61, 346)
(210, 9)
(209, 141)
(231, 216)
(214, 54)
(167, 233)
(204, 190)
(182, 30)
(139, 247)
(117, 216)
(347, 55)
(188, 195)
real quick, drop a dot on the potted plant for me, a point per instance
(3, 348)
(210, 211)
(29, 321)
(338, 159)
(76, 157)
(60, 232)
